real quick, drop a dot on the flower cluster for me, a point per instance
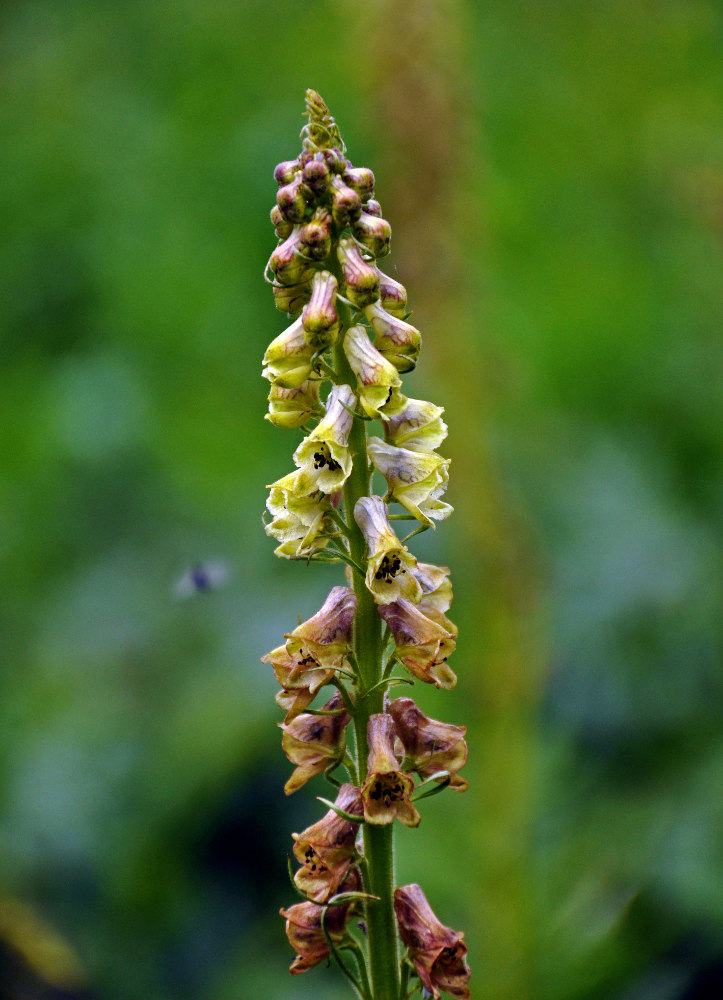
(335, 369)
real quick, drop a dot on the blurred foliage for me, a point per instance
(554, 177)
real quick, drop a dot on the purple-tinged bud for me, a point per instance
(372, 207)
(438, 952)
(291, 299)
(361, 278)
(292, 201)
(285, 171)
(391, 567)
(282, 226)
(422, 645)
(335, 160)
(373, 233)
(398, 341)
(326, 637)
(293, 407)
(376, 377)
(392, 295)
(429, 746)
(314, 742)
(345, 203)
(387, 789)
(288, 357)
(315, 236)
(287, 263)
(316, 174)
(327, 848)
(361, 179)
(320, 318)
(305, 933)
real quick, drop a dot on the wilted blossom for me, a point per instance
(417, 479)
(326, 637)
(429, 746)
(438, 952)
(391, 568)
(416, 424)
(324, 455)
(300, 677)
(298, 519)
(293, 407)
(396, 339)
(304, 930)
(288, 358)
(326, 849)
(314, 742)
(387, 789)
(422, 644)
(376, 377)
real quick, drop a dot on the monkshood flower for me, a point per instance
(391, 568)
(397, 340)
(320, 319)
(293, 407)
(323, 456)
(416, 479)
(438, 952)
(288, 263)
(436, 587)
(422, 644)
(314, 742)
(376, 377)
(387, 789)
(326, 637)
(288, 358)
(416, 424)
(429, 746)
(300, 676)
(305, 933)
(326, 849)
(361, 279)
(299, 519)
(392, 296)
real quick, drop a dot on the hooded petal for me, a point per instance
(376, 377)
(320, 319)
(397, 340)
(423, 644)
(416, 478)
(293, 407)
(436, 587)
(416, 425)
(323, 456)
(299, 520)
(391, 568)
(438, 952)
(387, 789)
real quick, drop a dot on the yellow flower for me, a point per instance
(422, 643)
(293, 407)
(416, 424)
(387, 789)
(391, 567)
(323, 456)
(416, 479)
(376, 377)
(299, 519)
(320, 319)
(288, 357)
(397, 340)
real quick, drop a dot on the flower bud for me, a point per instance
(418, 425)
(335, 160)
(305, 933)
(438, 952)
(416, 479)
(287, 261)
(376, 377)
(398, 341)
(392, 296)
(299, 519)
(288, 358)
(361, 179)
(293, 407)
(291, 299)
(361, 278)
(315, 236)
(430, 746)
(327, 848)
(372, 207)
(282, 226)
(422, 644)
(316, 174)
(391, 567)
(292, 201)
(326, 637)
(373, 233)
(345, 203)
(387, 789)
(320, 318)
(314, 742)
(285, 171)
(324, 455)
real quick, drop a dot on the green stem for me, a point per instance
(378, 840)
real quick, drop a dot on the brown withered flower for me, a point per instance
(438, 952)
(326, 849)
(314, 742)
(387, 789)
(429, 746)
(300, 677)
(325, 638)
(305, 933)
(423, 644)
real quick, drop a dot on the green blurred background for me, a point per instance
(553, 173)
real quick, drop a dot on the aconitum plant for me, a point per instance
(336, 375)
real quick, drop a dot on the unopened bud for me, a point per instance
(291, 299)
(398, 341)
(315, 236)
(335, 160)
(361, 179)
(360, 277)
(291, 200)
(320, 318)
(372, 207)
(345, 203)
(316, 174)
(376, 377)
(282, 225)
(392, 296)
(373, 233)
(285, 171)
(293, 407)
(287, 261)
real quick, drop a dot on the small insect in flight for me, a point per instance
(201, 578)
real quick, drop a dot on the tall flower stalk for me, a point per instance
(335, 374)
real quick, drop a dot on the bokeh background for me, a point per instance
(553, 173)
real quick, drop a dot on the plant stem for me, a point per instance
(378, 840)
